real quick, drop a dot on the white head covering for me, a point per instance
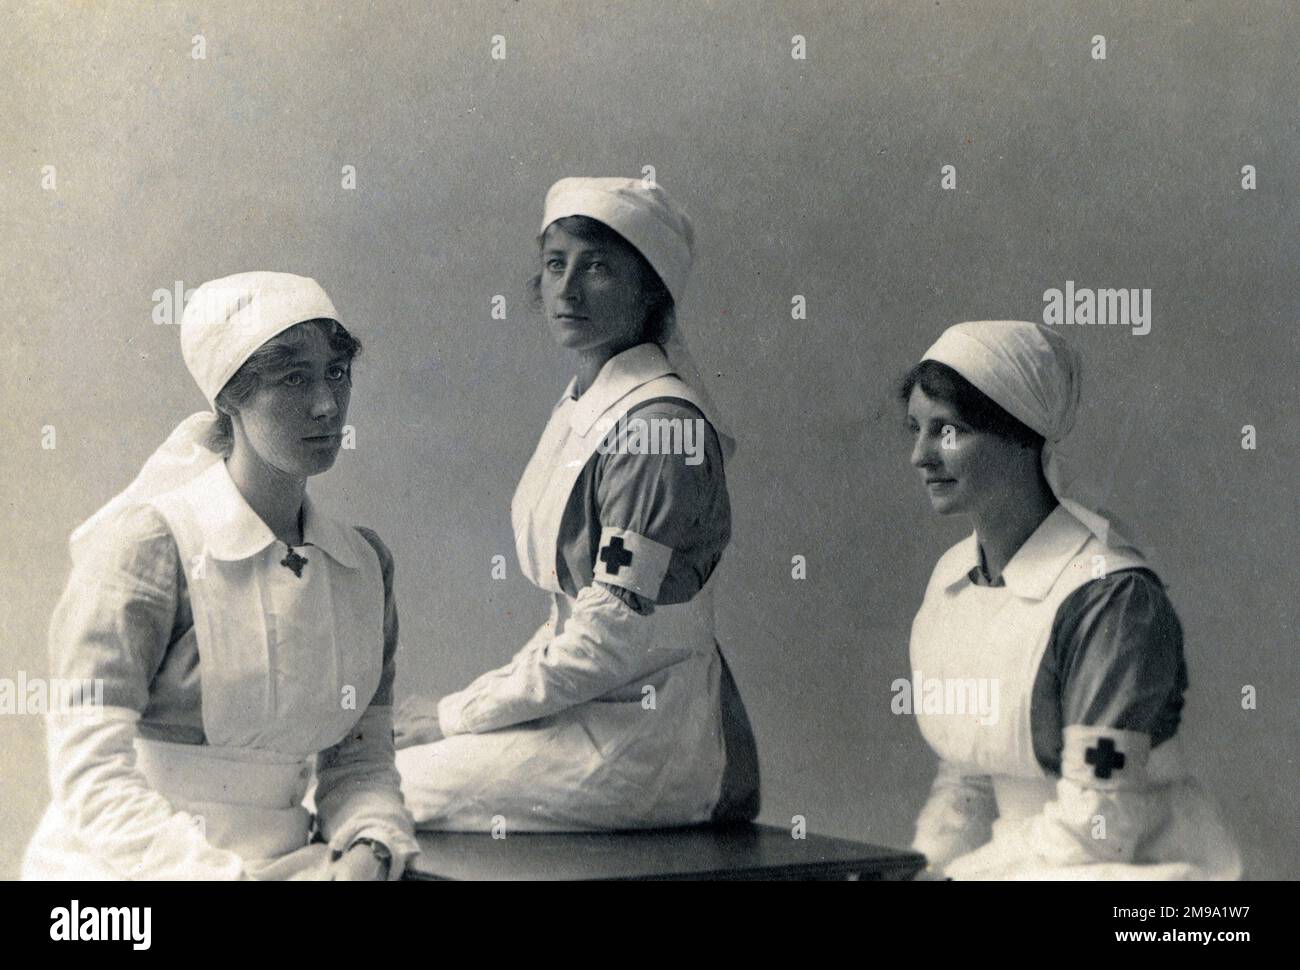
(643, 214)
(1035, 375)
(225, 320)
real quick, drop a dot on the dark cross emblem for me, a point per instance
(614, 556)
(1104, 757)
(294, 561)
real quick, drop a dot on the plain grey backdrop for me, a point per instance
(817, 177)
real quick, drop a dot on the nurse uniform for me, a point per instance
(232, 666)
(1080, 775)
(620, 712)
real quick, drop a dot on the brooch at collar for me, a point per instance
(294, 561)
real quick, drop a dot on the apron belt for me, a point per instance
(248, 801)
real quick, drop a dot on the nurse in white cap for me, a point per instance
(620, 712)
(1077, 771)
(242, 636)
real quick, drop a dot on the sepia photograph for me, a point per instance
(732, 440)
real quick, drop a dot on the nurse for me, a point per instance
(1078, 772)
(242, 635)
(620, 712)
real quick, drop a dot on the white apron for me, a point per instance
(989, 632)
(607, 763)
(276, 653)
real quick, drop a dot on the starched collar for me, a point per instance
(1037, 564)
(233, 531)
(622, 374)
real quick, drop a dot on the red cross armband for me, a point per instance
(631, 561)
(1105, 758)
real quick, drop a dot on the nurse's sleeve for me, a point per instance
(112, 626)
(358, 790)
(1117, 655)
(957, 817)
(663, 523)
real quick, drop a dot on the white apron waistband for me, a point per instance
(246, 800)
(236, 776)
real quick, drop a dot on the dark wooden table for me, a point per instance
(735, 852)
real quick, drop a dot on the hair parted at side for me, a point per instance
(270, 356)
(659, 299)
(973, 406)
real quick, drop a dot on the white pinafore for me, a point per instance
(671, 761)
(278, 656)
(608, 763)
(963, 631)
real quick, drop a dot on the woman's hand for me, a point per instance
(416, 722)
(358, 864)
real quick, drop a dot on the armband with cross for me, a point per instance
(1106, 758)
(631, 561)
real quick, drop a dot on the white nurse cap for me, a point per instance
(639, 211)
(226, 320)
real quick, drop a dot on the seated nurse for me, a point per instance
(620, 712)
(242, 635)
(1077, 774)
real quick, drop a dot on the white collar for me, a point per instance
(622, 374)
(233, 531)
(1037, 564)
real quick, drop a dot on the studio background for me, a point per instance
(817, 177)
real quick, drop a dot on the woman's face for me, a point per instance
(591, 292)
(963, 470)
(294, 419)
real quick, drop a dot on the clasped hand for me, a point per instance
(358, 864)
